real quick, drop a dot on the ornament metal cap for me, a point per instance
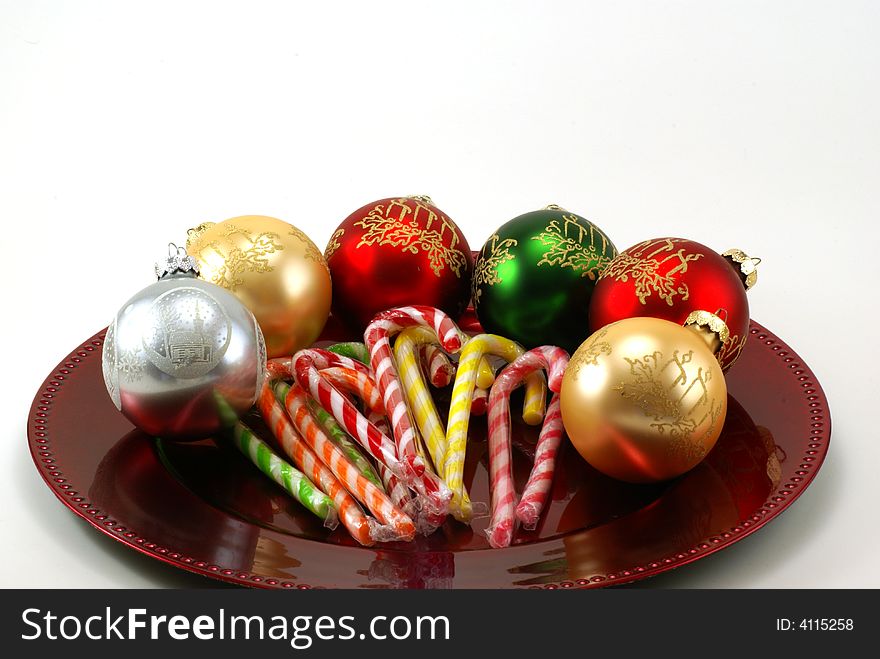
(711, 327)
(177, 261)
(745, 265)
(193, 234)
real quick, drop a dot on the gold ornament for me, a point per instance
(644, 399)
(274, 269)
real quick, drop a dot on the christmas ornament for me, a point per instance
(274, 269)
(671, 277)
(183, 357)
(396, 252)
(534, 277)
(644, 399)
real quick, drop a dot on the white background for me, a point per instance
(748, 124)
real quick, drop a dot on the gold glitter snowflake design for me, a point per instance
(643, 263)
(312, 253)
(486, 268)
(252, 258)
(663, 402)
(334, 243)
(414, 227)
(589, 353)
(731, 351)
(572, 245)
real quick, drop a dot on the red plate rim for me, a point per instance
(39, 443)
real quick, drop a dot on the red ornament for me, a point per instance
(395, 252)
(671, 277)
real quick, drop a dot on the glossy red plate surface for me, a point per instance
(204, 508)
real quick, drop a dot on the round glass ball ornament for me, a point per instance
(535, 275)
(183, 358)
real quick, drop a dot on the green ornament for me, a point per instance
(535, 275)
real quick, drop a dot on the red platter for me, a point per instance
(203, 508)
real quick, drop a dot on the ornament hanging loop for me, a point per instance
(177, 261)
(746, 266)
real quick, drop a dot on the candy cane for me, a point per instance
(440, 370)
(305, 366)
(421, 404)
(479, 401)
(503, 522)
(485, 373)
(376, 501)
(427, 518)
(459, 410)
(344, 441)
(427, 483)
(352, 350)
(537, 489)
(286, 475)
(399, 493)
(357, 383)
(378, 340)
(362, 528)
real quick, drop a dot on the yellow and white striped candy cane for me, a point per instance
(421, 404)
(460, 408)
(485, 373)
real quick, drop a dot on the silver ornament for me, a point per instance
(183, 358)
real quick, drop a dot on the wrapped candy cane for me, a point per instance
(362, 386)
(286, 475)
(537, 489)
(441, 370)
(434, 493)
(378, 503)
(435, 362)
(427, 517)
(357, 383)
(378, 340)
(306, 365)
(352, 350)
(344, 441)
(486, 373)
(503, 522)
(479, 401)
(459, 411)
(365, 530)
(398, 493)
(421, 404)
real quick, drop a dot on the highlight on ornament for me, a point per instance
(618, 356)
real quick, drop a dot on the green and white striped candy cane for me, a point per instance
(352, 350)
(337, 435)
(285, 474)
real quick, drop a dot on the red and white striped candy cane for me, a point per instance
(306, 369)
(361, 527)
(427, 518)
(480, 402)
(376, 501)
(503, 522)
(398, 492)
(440, 370)
(363, 388)
(357, 383)
(378, 340)
(537, 489)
